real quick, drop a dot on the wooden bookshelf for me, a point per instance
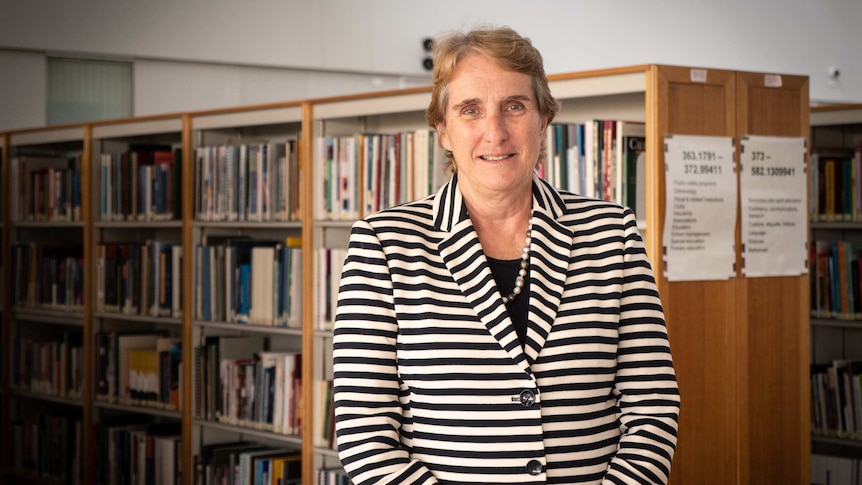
(740, 346)
(836, 335)
(29, 319)
(275, 123)
(121, 151)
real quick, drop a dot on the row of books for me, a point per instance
(360, 174)
(365, 173)
(836, 399)
(835, 186)
(48, 446)
(142, 184)
(247, 463)
(324, 415)
(835, 270)
(835, 470)
(247, 182)
(238, 382)
(332, 476)
(249, 281)
(139, 278)
(139, 369)
(47, 275)
(53, 367)
(46, 189)
(134, 452)
(329, 263)
(603, 159)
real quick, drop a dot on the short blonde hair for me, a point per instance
(502, 45)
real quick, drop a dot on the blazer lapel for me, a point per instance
(549, 256)
(463, 256)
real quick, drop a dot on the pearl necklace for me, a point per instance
(525, 262)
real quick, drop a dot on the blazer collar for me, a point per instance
(549, 258)
(449, 208)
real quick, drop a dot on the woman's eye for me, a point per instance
(515, 107)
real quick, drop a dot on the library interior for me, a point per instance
(182, 185)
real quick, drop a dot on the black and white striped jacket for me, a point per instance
(433, 386)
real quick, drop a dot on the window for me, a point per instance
(81, 90)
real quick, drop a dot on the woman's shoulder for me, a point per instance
(576, 203)
(417, 212)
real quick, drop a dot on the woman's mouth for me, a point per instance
(494, 158)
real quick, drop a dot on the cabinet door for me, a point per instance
(772, 314)
(700, 315)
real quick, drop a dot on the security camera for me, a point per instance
(834, 72)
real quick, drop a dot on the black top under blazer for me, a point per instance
(433, 386)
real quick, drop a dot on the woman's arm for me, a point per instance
(645, 381)
(368, 411)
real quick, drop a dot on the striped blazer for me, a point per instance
(432, 384)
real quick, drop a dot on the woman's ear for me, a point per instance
(544, 130)
(443, 135)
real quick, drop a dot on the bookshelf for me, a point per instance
(835, 315)
(246, 206)
(45, 233)
(134, 259)
(745, 413)
(341, 120)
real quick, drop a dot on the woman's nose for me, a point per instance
(495, 128)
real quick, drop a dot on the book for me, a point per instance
(631, 164)
(255, 465)
(263, 272)
(223, 464)
(226, 349)
(126, 344)
(169, 351)
(205, 470)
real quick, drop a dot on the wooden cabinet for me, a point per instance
(740, 346)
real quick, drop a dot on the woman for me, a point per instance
(500, 331)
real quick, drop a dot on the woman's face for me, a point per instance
(492, 126)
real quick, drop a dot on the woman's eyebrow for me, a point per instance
(467, 102)
(519, 97)
(514, 97)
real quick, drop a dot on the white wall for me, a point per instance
(199, 54)
(169, 87)
(22, 90)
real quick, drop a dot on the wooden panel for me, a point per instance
(88, 350)
(137, 128)
(188, 194)
(773, 316)
(308, 301)
(700, 314)
(6, 347)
